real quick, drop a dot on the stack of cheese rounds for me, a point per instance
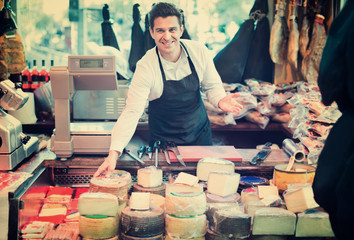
(149, 179)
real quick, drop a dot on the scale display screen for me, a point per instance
(91, 63)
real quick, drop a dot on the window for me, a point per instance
(52, 31)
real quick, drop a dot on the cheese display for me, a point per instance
(149, 177)
(207, 165)
(185, 204)
(300, 200)
(232, 222)
(157, 200)
(53, 209)
(123, 236)
(213, 207)
(232, 198)
(98, 227)
(183, 188)
(114, 184)
(273, 221)
(313, 223)
(97, 203)
(147, 223)
(139, 201)
(125, 176)
(186, 227)
(185, 178)
(155, 190)
(223, 183)
(36, 229)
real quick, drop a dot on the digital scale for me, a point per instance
(87, 102)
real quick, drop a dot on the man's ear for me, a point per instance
(151, 32)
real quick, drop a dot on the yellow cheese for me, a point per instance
(185, 178)
(207, 165)
(98, 228)
(98, 203)
(149, 177)
(183, 188)
(185, 204)
(223, 183)
(186, 227)
(139, 201)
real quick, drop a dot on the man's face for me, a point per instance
(166, 34)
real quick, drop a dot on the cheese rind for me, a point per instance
(207, 165)
(149, 177)
(185, 204)
(183, 188)
(186, 227)
(273, 221)
(223, 183)
(232, 222)
(98, 228)
(97, 203)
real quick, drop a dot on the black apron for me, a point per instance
(179, 115)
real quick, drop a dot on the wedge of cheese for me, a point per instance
(300, 200)
(183, 188)
(207, 165)
(223, 183)
(149, 177)
(139, 201)
(97, 203)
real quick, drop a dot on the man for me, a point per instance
(169, 76)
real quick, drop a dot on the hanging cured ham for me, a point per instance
(304, 34)
(279, 35)
(311, 62)
(137, 44)
(293, 44)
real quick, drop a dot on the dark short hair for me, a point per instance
(163, 9)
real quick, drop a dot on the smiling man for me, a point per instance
(170, 77)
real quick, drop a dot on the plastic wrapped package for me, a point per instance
(260, 88)
(222, 119)
(258, 118)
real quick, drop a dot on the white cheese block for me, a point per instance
(300, 200)
(313, 223)
(265, 191)
(185, 204)
(223, 183)
(98, 228)
(139, 201)
(53, 209)
(207, 165)
(232, 222)
(97, 203)
(186, 227)
(149, 177)
(249, 194)
(183, 188)
(185, 178)
(273, 221)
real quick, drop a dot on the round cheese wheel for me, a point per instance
(186, 227)
(116, 185)
(185, 204)
(98, 228)
(142, 223)
(157, 200)
(167, 237)
(113, 238)
(123, 236)
(156, 190)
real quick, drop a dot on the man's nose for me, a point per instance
(166, 35)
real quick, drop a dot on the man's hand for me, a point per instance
(229, 104)
(108, 165)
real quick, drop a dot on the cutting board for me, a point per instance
(195, 153)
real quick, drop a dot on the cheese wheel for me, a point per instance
(223, 183)
(155, 190)
(149, 177)
(98, 228)
(142, 223)
(273, 221)
(157, 200)
(232, 198)
(183, 188)
(124, 175)
(113, 238)
(232, 222)
(122, 236)
(213, 207)
(116, 185)
(207, 165)
(185, 204)
(186, 227)
(172, 238)
(98, 203)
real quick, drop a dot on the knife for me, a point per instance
(149, 152)
(132, 156)
(261, 155)
(165, 152)
(176, 152)
(141, 151)
(156, 148)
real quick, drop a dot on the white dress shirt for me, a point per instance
(147, 85)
